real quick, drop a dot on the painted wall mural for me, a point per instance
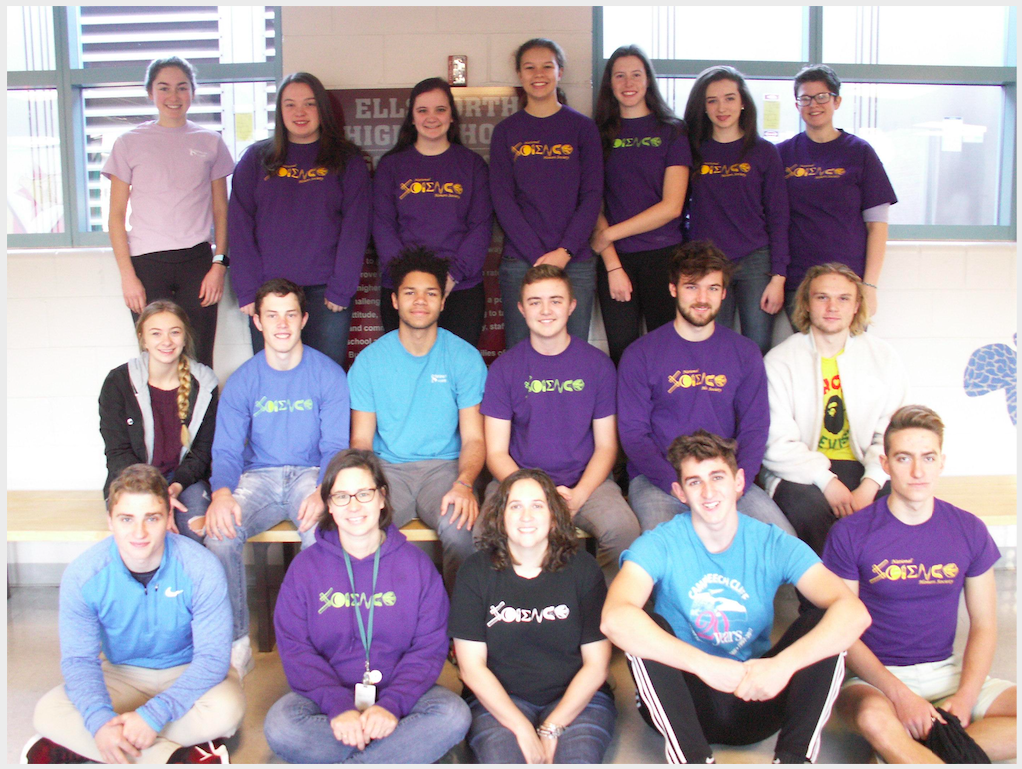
(991, 368)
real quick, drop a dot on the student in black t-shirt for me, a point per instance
(525, 619)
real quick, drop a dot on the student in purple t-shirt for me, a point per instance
(909, 557)
(645, 173)
(737, 198)
(549, 403)
(432, 191)
(546, 181)
(837, 187)
(300, 210)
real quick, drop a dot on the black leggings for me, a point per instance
(462, 315)
(690, 714)
(808, 510)
(177, 275)
(651, 298)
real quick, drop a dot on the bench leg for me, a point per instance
(264, 599)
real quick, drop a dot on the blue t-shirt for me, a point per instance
(721, 603)
(416, 399)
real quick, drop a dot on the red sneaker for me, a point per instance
(214, 752)
(40, 750)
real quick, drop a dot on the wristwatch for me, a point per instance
(222, 259)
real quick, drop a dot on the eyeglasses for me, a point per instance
(820, 98)
(341, 498)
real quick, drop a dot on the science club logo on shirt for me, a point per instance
(905, 569)
(301, 174)
(266, 406)
(537, 386)
(638, 141)
(430, 187)
(718, 614)
(810, 171)
(503, 613)
(724, 171)
(336, 600)
(542, 151)
(690, 378)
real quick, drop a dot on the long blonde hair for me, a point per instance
(800, 316)
(184, 373)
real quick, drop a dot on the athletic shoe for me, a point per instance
(241, 657)
(39, 750)
(214, 752)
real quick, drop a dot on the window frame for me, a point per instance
(70, 79)
(812, 51)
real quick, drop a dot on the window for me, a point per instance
(74, 84)
(933, 92)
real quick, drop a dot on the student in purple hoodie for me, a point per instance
(546, 180)
(361, 625)
(430, 190)
(738, 199)
(300, 209)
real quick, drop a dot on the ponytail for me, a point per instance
(184, 393)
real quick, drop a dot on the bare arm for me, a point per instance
(657, 215)
(619, 284)
(981, 604)
(212, 288)
(589, 678)
(470, 462)
(363, 429)
(876, 249)
(131, 286)
(600, 463)
(498, 447)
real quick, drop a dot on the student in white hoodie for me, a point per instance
(832, 391)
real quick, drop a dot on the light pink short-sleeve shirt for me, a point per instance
(170, 171)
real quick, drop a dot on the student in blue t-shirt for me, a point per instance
(702, 661)
(415, 396)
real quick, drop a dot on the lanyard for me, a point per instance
(367, 638)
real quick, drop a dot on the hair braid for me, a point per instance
(184, 393)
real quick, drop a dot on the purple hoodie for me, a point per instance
(317, 633)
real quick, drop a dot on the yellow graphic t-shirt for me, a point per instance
(834, 436)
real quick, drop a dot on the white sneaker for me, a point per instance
(241, 657)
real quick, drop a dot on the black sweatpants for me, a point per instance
(177, 275)
(690, 714)
(462, 315)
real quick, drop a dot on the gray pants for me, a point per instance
(652, 506)
(416, 489)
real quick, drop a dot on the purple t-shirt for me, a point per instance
(740, 202)
(829, 185)
(546, 180)
(166, 430)
(633, 178)
(171, 172)
(668, 386)
(551, 402)
(910, 577)
(439, 201)
(304, 223)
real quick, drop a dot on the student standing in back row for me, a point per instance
(430, 190)
(646, 169)
(739, 202)
(546, 180)
(300, 210)
(175, 174)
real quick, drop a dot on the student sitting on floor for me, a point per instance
(155, 604)
(702, 663)
(909, 556)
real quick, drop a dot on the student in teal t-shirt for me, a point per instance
(701, 662)
(415, 395)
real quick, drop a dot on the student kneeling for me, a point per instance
(701, 663)
(155, 603)
(361, 624)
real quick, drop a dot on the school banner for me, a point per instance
(372, 118)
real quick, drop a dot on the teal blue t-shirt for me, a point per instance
(721, 603)
(416, 399)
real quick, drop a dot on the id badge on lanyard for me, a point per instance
(365, 692)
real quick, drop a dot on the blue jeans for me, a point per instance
(326, 331)
(196, 498)
(267, 496)
(584, 741)
(583, 285)
(300, 733)
(750, 279)
(652, 506)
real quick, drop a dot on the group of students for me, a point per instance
(565, 189)
(407, 432)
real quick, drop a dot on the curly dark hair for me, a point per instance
(418, 259)
(345, 460)
(561, 542)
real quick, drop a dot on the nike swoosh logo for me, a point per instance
(172, 593)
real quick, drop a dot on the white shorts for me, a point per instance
(936, 681)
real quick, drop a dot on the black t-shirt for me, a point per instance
(533, 628)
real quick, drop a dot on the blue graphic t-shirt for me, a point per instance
(721, 603)
(416, 399)
(551, 402)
